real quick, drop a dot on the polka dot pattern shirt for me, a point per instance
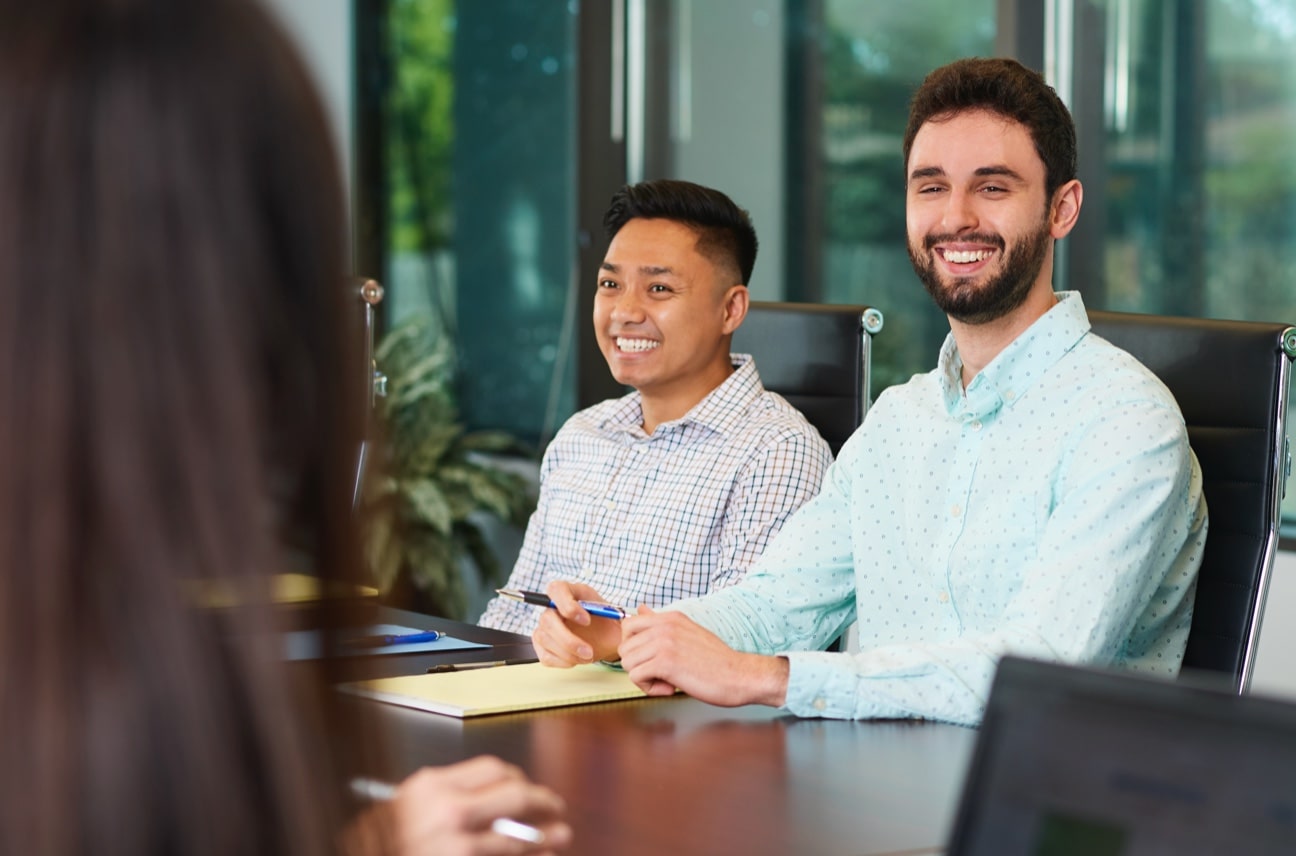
(1053, 509)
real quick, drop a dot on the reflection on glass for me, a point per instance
(479, 120)
(874, 55)
(1201, 181)
(1065, 835)
(1199, 199)
(1186, 113)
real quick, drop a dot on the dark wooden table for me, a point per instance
(676, 776)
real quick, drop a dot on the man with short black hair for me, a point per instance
(675, 489)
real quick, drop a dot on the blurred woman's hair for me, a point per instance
(179, 404)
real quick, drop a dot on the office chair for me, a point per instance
(1230, 379)
(815, 356)
(818, 357)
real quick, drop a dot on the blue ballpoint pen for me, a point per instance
(382, 641)
(602, 610)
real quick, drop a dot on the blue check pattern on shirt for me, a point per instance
(1053, 510)
(655, 518)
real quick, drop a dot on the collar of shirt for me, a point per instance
(1017, 366)
(722, 410)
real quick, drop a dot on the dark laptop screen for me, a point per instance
(1076, 761)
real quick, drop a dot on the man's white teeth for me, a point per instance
(636, 345)
(962, 257)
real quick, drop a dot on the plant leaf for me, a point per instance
(428, 504)
(430, 476)
(497, 442)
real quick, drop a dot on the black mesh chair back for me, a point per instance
(817, 357)
(1230, 379)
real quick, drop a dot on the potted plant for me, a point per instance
(432, 481)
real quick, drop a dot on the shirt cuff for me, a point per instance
(823, 684)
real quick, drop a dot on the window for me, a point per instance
(1191, 193)
(471, 133)
(496, 170)
(871, 57)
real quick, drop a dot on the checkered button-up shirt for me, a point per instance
(655, 518)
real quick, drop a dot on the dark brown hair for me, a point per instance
(724, 230)
(175, 410)
(1012, 90)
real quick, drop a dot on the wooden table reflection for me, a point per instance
(677, 776)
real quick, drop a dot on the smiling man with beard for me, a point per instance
(1034, 494)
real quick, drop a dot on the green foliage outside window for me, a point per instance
(420, 127)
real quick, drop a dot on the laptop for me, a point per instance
(1082, 762)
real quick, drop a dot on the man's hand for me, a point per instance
(449, 810)
(568, 635)
(668, 650)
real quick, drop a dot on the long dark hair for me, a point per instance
(176, 407)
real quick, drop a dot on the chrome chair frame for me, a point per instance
(818, 357)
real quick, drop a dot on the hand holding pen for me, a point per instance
(568, 635)
(479, 805)
(535, 598)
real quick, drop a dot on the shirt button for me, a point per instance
(975, 425)
(1009, 395)
(820, 704)
(943, 597)
(956, 511)
(609, 504)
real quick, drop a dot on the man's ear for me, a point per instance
(1066, 208)
(736, 301)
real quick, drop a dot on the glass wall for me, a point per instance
(1199, 109)
(796, 108)
(477, 224)
(1197, 202)
(872, 56)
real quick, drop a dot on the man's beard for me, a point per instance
(999, 295)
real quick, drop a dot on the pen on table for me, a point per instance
(603, 610)
(383, 640)
(376, 790)
(464, 667)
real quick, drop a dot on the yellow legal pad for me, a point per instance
(476, 692)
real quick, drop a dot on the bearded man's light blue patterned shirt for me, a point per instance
(1053, 509)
